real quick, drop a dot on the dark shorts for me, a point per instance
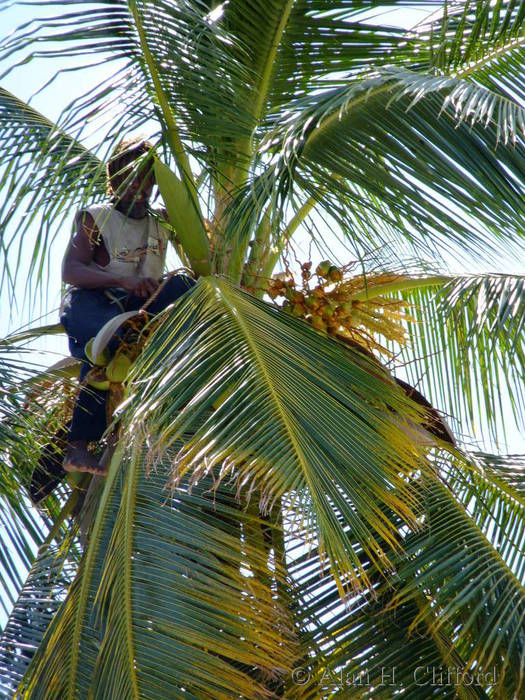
(89, 309)
(84, 315)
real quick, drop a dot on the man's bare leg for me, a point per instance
(79, 459)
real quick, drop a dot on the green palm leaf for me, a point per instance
(40, 189)
(472, 103)
(481, 41)
(496, 507)
(165, 575)
(70, 618)
(174, 32)
(436, 611)
(30, 414)
(42, 593)
(509, 468)
(392, 155)
(468, 346)
(223, 343)
(487, 609)
(21, 529)
(288, 46)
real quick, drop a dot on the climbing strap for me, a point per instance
(161, 286)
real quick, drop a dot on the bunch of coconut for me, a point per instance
(344, 306)
(107, 370)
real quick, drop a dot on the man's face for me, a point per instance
(133, 183)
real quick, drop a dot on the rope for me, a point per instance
(161, 286)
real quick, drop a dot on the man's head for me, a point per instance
(130, 174)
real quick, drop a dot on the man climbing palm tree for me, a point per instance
(113, 264)
(268, 522)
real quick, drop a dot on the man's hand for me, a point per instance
(140, 287)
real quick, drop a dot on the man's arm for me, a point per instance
(76, 268)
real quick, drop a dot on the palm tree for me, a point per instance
(272, 523)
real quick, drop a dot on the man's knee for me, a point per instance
(87, 312)
(173, 288)
(178, 285)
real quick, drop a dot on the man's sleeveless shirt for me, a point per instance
(136, 247)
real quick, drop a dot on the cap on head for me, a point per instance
(125, 153)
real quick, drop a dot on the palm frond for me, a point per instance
(452, 602)
(373, 652)
(42, 593)
(476, 593)
(28, 334)
(481, 41)
(165, 574)
(27, 423)
(192, 55)
(493, 502)
(431, 181)
(471, 103)
(209, 100)
(290, 48)
(467, 348)
(272, 431)
(81, 589)
(42, 172)
(21, 530)
(509, 468)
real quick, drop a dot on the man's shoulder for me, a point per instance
(95, 210)
(101, 213)
(97, 206)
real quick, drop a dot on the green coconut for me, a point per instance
(346, 308)
(323, 268)
(335, 274)
(318, 323)
(96, 378)
(117, 370)
(312, 303)
(101, 360)
(328, 310)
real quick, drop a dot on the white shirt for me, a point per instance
(136, 247)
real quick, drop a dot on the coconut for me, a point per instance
(118, 368)
(334, 274)
(328, 310)
(318, 323)
(346, 308)
(323, 268)
(312, 303)
(96, 378)
(101, 360)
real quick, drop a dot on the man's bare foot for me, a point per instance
(79, 459)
